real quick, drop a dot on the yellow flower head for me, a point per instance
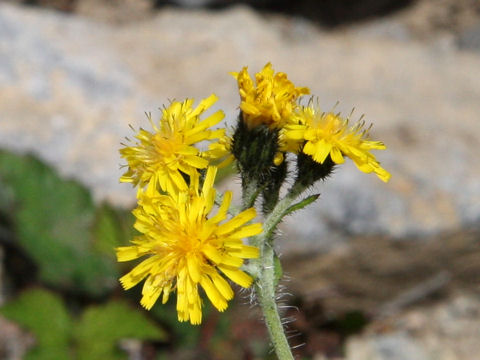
(186, 247)
(271, 101)
(162, 157)
(328, 134)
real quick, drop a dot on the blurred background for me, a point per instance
(373, 271)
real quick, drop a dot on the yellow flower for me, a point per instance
(271, 101)
(162, 158)
(186, 247)
(328, 134)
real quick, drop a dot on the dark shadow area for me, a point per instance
(328, 13)
(61, 5)
(20, 269)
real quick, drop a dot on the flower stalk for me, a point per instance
(266, 294)
(263, 269)
(190, 238)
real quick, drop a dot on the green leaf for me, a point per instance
(301, 204)
(53, 220)
(112, 228)
(44, 314)
(6, 199)
(101, 327)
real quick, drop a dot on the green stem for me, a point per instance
(278, 212)
(265, 289)
(263, 269)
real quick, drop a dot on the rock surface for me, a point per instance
(447, 331)
(14, 341)
(70, 85)
(379, 277)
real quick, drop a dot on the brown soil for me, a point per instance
(379, 276)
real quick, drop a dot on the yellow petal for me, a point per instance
(237, 221)
(204, 104)
(166, 293)
(193, 268)
(210, 252)
(209, 179)
(383, 174)
(222, 285)
(138, 273)
(237, 276)
(195, 314)
(336, 156)
(294, 133)
(177, 180)
(150, 293)
(188, 151)
(278, 159)
(247, 231)
(247, 252)
(223, 209)
(322, 150)
(213, 294)
(213, 119)
(127, 253)
(231, 261)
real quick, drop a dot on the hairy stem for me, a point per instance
(265, 289)
(263, 269)
(279, 212)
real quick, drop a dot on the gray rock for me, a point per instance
(383, 28)
(470, 39)
(14, 342)
(395, 346)
(69, 87)
(446, 331)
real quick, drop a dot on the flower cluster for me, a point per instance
(273, 103)
(184, 244)
(188, 239)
